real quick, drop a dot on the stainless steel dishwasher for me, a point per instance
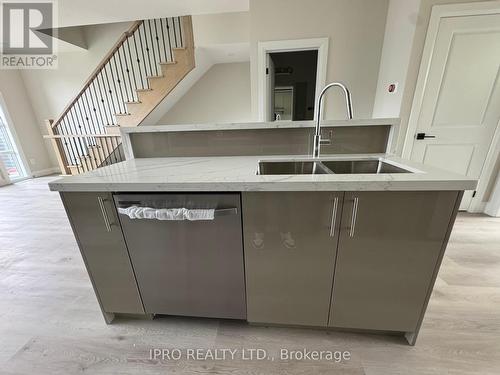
(184, 267)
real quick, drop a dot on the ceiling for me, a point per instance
(88, 12)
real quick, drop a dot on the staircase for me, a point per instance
(143, 67)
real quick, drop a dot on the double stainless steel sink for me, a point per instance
(345, 166)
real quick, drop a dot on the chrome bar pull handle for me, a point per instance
(354, 216)
(105, 216)
(334, 216)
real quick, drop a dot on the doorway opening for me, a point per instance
(291, 73)
(293, 85)
(10, 160)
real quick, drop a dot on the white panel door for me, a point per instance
(460, 107)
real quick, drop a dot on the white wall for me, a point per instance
(51, 90)
(399, 31)
(219, 38)
(221, 28)
(355, 29)
(221, 95)
(19, 109)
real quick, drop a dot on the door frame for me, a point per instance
(264, 48)
(16, 143)
(4, 176)
(439, 12)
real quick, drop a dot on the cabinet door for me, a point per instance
(290, 241)
(389, 246)
(104, 251)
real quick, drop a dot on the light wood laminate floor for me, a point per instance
(50, 321)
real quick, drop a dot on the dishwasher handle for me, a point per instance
(225, 211)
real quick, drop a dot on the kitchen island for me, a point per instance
(351, 241)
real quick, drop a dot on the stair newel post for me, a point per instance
(57, 143)
(187, 33)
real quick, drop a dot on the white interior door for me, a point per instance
(269, 111)
(460, 107)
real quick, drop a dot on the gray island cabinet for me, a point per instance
(357, 260)
(290, 247)
(387, 255)
(364, 260)
(97, 230)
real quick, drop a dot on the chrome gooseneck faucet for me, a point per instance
(317, 134)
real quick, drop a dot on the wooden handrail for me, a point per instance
(99, 67)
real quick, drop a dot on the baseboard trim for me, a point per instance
(45, 172)
(491, 212)
(477, 208)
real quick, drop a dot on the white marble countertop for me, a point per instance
(239, 173)
(258, 125)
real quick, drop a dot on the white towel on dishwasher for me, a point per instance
(170, 214)
(136, 212)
